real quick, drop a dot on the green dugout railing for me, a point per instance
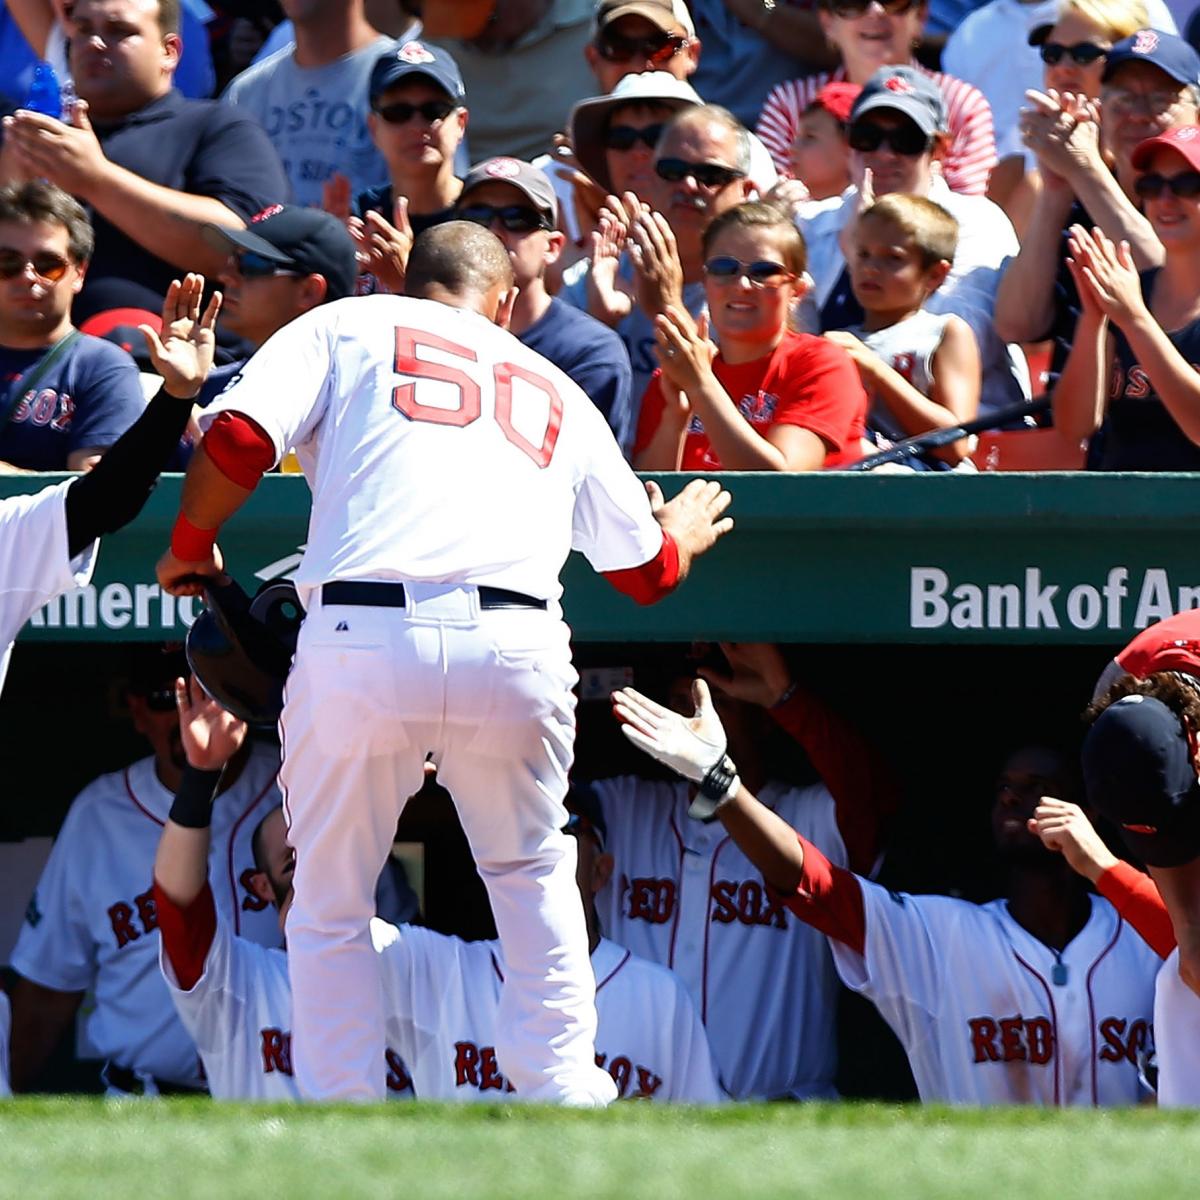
(987, 559)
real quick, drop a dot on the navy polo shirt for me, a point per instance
(204, 147)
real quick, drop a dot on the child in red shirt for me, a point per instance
(769, 400)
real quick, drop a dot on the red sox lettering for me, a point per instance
(276, 1047)
(1032, 1039)
(121, 916)
(744, 901)
(475, 1066)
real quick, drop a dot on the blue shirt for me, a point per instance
(592, 355)
(88, 398)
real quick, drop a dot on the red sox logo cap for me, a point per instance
(896, 84)
(414, 52)
(503, 168)
(1146, 42)
(263, 214)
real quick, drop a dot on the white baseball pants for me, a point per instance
(374, 690)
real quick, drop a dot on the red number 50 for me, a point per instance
(470, 404)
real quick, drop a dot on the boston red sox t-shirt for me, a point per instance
(805, 381)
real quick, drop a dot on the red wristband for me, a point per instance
(190, 544)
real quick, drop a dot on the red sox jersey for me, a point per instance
(5, 1027)
(683, 894)
(1177, 1034)
(34, 566)
(442, 996)
(92, 924)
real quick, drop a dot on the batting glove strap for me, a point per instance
(716, 789)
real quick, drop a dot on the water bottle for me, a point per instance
(44, 95)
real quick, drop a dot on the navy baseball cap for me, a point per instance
(525, 177)
(907, 91)
(1138, 770)
(1170, 54)
(411, 58)
(307, 240)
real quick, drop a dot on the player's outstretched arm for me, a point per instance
(694, 518)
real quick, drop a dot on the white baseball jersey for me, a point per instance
(684, 895)
(34, 566)
(440, 449)
(91, 922)
(239, 1014)
(442, 998)
(1177, 1038)
(5, 1031)
(987, 1014)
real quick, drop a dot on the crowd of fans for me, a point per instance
(760, 235)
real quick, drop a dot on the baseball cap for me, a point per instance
(907, 91)
(1185, 140)
(589, 118)
(410, 58)
(585, 814)
(664, 14)
(526, 178)
(120, 326)
(301, 239)
(1170, 54)
(1138, 771)
(837, 99)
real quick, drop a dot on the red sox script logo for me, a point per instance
(276, 1047)
(1146, 42)
(730, 900)
(1031, 1039)
(121, 917)
(475, 1066)
(263, 214)
(414, 52)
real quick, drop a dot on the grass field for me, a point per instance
(177, 1149)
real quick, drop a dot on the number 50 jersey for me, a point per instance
(439, 448)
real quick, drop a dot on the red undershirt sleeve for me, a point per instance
(653, 580)
(861, 781)
(1136, 898)
(187, 933)
(239, 448)
(829, 899)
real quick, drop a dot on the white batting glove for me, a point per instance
(693, 747)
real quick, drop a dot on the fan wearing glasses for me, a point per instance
(516, 202)
(60, 409)
(633, 36)
(770, 399)
(1129, 383)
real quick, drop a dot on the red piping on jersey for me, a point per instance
(1058, 1061)
(1092, 1008)
(600, 983)
(138, 803)
(233, 882)
(678, 891)
(708, 924)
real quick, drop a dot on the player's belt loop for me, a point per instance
(380, 594)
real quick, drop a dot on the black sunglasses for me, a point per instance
(625, 137)
(658, 48)
(849, 9)
(402, 112)
(712, 175)
(51, 267)
(161, 699)
(1185, 185)
(516, 218)
(252, 265)
(1081, 53)
(762, 273)
(904, 139)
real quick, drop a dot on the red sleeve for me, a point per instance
(1136, 898)
(187, 933)
(819, 389)
(829, 899)
(1170, 645)
(861, 781)
(239, 448)
(650, 414)
(653, 580)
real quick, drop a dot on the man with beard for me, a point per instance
(91, 923)
(1043, 997)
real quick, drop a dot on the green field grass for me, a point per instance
(65, 1148)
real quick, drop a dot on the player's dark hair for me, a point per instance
(1169, 687)
(759, 214)
(42, 201)
(458, 257)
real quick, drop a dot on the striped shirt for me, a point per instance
(969, 159)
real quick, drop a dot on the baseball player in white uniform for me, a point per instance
(442, 995)
(452, 471)
(987, 1011)
(685, 894)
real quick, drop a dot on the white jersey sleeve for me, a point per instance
(5, 1034)
(1176, 1037)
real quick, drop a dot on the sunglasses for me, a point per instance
(905, 139)
(657, 48)
(625, 137)
(516, 218)
(710, 175)
(724, 268)
(1082, 53)
(1186, 185)
(252, 265)
(400, 113)
(849, 9)
(161, 700)
(50, 267)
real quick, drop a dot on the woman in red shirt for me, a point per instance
(770, 399)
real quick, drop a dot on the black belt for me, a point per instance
(128, 1081)
(366, 594)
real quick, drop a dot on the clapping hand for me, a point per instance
(182, 352)
(1105, 274)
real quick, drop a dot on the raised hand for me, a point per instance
(684, 349)
(1109, 274)
(1062, 826)
(656, 260)
(335, 197)
(384, 247)
(690, 746)
(182, 352)
(757, 673)
(211, 736)
(694, 518)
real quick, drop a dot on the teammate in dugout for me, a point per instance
(452, 471)
(1045, 997)
(442, 994)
